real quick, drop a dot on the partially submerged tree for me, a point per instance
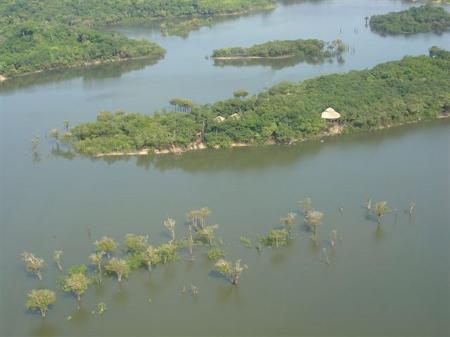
(313, 219)
(136, 243)
(206, 234)
(275, 238)
(119, 267)
(96, 259)
(57, 259)
(231, 271)
(215, 253)
(40, 299)
(169, 224)
(167, 252)
(380, 209)
(106, 244)
(288, 222)
(76, 282)
(305, 205)
(33, 264)
(150, 257)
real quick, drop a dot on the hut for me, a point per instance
(219, 119)
(235, 116)
(330, 114)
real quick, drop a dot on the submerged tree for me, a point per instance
(313, 219)
(380, 209)
(119, 267)
(167, 252)
(150, 257)
(136, 243)
(96, 259)
(215, 253)
(57, 258)
(169, 224)
(40, 299)
(305, 205)
(76, 282)
(106, 244)
(288, 222)
(33, 264)
(206, 234)
(204, 212)
(275, 238)
(231, 271)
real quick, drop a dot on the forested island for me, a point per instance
(425, 18)
(394, 93)
(311, 49)
(38, 35)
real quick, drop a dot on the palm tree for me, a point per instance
(40, 299)
(169, 223)
(57, 258)
(33, 264)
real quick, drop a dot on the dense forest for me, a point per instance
(308, 49)
(412, 89)
(414, 20)
(38, 35)
(31, 46)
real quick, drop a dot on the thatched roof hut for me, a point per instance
(219, 119)
(330, 114)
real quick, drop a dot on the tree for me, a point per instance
(240, 93)
(136, 243)
(193, 217)
(206, 233)
(305, 205)
(275, 238)
(57, 258)
(313, 219)
(204, 212)
(167, 252)
(96, 260)
(106, 244)
(40, 299)
(169, 223)
(380, 209)
(230, 271)
(150, 257)
(77, 283)
(288, 222)
(118, 266)
(215, 253)
(33, 264)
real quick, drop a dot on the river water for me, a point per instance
(393, 282)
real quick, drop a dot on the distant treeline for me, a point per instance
(308, 49)
(414, 20)
(38, 35)
(413, 89)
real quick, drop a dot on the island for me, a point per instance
(421, 19)
(310, 50)
(394, 93)
(39, 35)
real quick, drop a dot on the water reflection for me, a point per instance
(88, 74)
(44, 328)
(274, 64)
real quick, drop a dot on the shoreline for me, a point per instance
(335, 130)
(78, 65)
(251, 57)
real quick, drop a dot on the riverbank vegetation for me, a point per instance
(47, 34)
(394, 93)
(425, 18)
(313, 50)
